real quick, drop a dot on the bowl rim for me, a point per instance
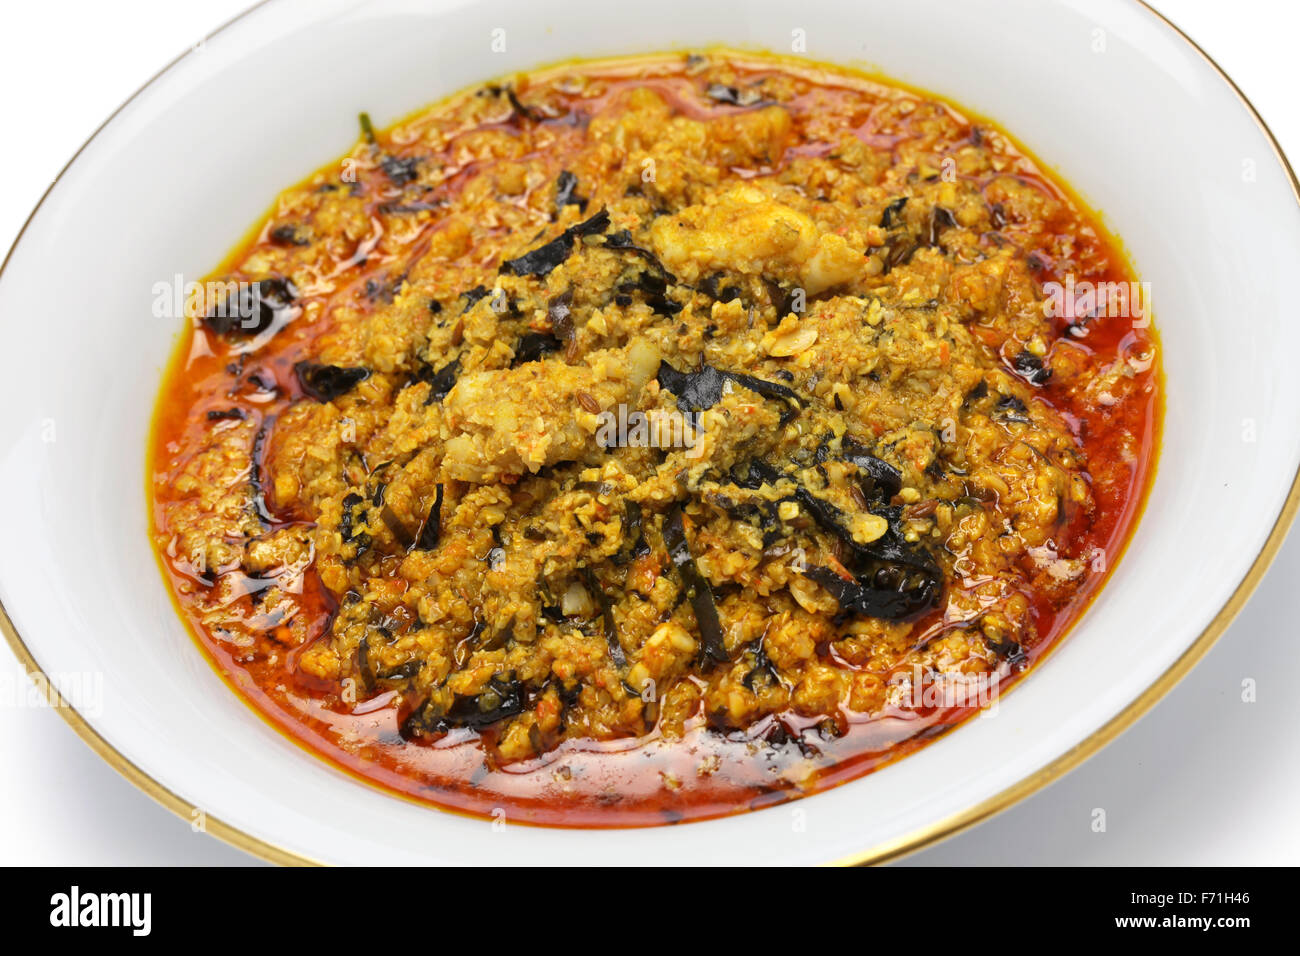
(880, 853)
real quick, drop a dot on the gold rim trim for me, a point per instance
(1076, 755)
(178, 805)
(882, 853)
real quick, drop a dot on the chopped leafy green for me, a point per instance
(695, 586)
(327, 382)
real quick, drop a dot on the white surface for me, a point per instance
(1203, 779)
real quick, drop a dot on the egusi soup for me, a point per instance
(641, 441)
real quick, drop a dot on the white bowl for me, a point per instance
(1122, 106)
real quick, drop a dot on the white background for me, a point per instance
(1205, 778)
